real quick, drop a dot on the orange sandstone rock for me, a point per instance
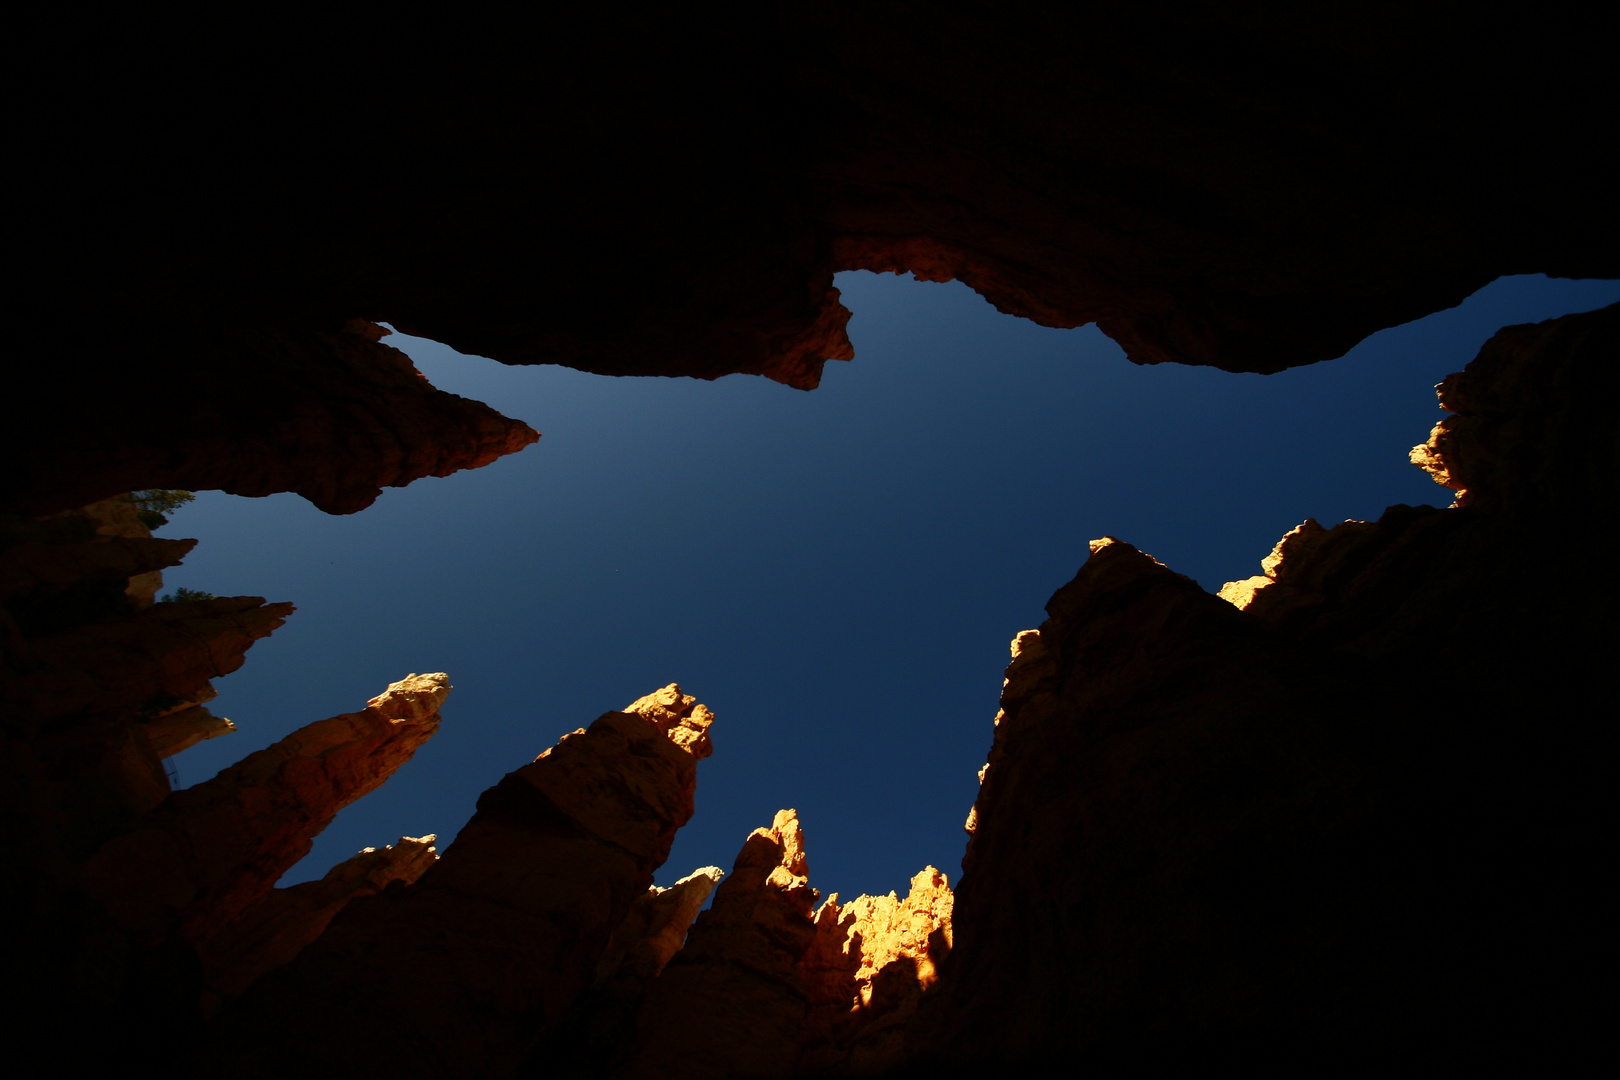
(498, 939)
(182, 728)
(733, 1001)
(867, 969)
(87, 670)
(1139, 727)
(198, 862)
(785, 990)
(655, 928)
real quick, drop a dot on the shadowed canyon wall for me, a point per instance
(1351, 802)
(1250, 190)
(1284, 819)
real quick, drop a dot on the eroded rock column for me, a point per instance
(208, 853)
(770, 985)
(486, 952)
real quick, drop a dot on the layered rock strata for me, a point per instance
(496, 941)
(1280, 822)
(767, 984)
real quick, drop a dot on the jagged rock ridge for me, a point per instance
(1276, 821)
(275, 928)
(207, 854)
(500, 936)
(767, 984)
(1209, 187)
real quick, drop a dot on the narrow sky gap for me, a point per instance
(836, 574)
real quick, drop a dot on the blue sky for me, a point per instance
(836, 574)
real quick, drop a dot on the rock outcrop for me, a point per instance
(867, 969)
(1210, 187)
(1165, 786)
(768, 985)
(1279, 821)
(1522, 438)
(326, 411)
(184, 726)
(97, 685)
(497, 940)
(733, 1001)
(275, 928)
(601, 1028)
(199, 861)
(655, 928)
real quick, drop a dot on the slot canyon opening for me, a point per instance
(1356, 816)
(836, 574)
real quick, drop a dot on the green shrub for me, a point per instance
(154, 503)
(180, 596)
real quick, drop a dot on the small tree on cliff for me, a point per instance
(183, 595)
(155, 503)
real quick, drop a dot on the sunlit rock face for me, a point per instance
(868, 967)
(500, 936)
(733, 1001)
(768, 984)
(1281, 819)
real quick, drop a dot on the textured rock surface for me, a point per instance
(767, 986)
(1213, 187)
(198, 862)
(170, 732)
(1522, 437)
(600, 1030)
(119, 516)
(655, 928)
(866, 971)
(733, 1001)
(1284, 826)
(1152, 763)
(327, 412)
(275, 928)
(499, 937)
(1528, 461)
